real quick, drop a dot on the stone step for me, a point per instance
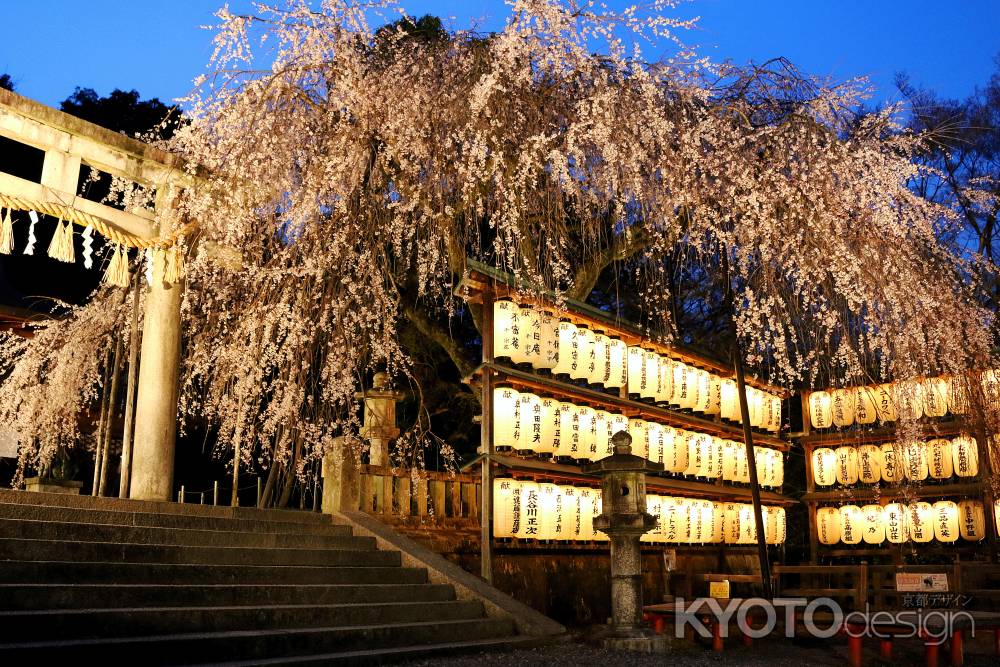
(162, 520)
(156, 507)
(99, 572)
(26, 549)
(254, 645)
(97, 532)
(26, 626)
(18, 596)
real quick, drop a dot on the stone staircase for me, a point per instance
(160, 583)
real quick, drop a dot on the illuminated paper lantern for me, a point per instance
(506, 507)
(684, 386)
(617, 372)
(939, 460)
(675, 450)
(850, 524)
(683, 510)
(711, 466)
(946, 527)
(529, 351)
(581, 352)
(748, 525)
(602, 434)
(742, 464)
(971, 520)
(774, 414)
(703, 402)
(655, 534)
(587, 509)
(914, 461)
(549, 341)
(761, 460)
(729, 403)
(715, 395)
(599, 360)
(565, 438)
(506, 418)
(665, 386)
(872, 524)
(654, 436)
(869, 464)
(715, 511)
(843, 405)
(755, 403)
(696, 527)
(774, 525)
(729, 461)
(820, 409)
(618, 423)
(586, 418)
(531, 520)
(921, 522)
(567, 342)
(910, 399)
(669, 511)
(865, 409)
(779, 468)
(549, 502)
(885, 403)
(824, 465)
(990, 381)
(958, 395)
(847, 465)
(696, 453)
(546, 444)
(895, 518)
(935, 397)
(892, 468)
(636, 370)
(506, 332)
(650, 379)
(640, 437)
(530, 417)
(568, 512)
(965, 456)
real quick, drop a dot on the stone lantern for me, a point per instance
(624, 519)
(379, 427)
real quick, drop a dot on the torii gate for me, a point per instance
(69, 143)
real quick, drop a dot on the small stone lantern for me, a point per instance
(379, 426)
(624, 519)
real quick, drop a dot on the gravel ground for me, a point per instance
(776, 652)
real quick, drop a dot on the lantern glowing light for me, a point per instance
(895, 518)
(965, 456)
(530, 423)
(869, 464)
(847, 465)
(729, 404)
(820, 409)
(824, 465)
(581, 352)
(946, 527)
(921, 522)
(865, 410)
(843, 402)
(617, 371)
(598, 371)
(548, 329)
(650, 379)
(939, 459)
(885, 403)
(892, 470)
(506, 507)
(506, 418)
(506, 332)
(935, 397)
(636, 370)
(850, 524)
(971, 520)
(872, 524)
(566, 344)
(828, 525)
(529, 350)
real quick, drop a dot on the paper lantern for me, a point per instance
(546, 445)
(599, 360)
(958, 395)
(569, 510)
(939, 460)
(530, 418)
(729, 461)
(731, 529)
(549, 341)
(586, 418)
(965, 456)
(567, 343)
(675, 450)
(774, 525)
(617, 371)
(865, 410)
(914, 455)
(779, 468)
(587, 508)
(946, 527)
(640, 437)
(729, 404)
(820, 409)
(618, 423)
(670, 520)
(824, 465)
(742, 464)
(971, 520)
(566, 438)
(696, 453)
(850, 524)
(748, 525)
(684, 386)
(894, 516)
(506, 332)
(654, 436)
(712, 466)
(762, 461)
(892, 469)
(921, 522)
(529, 328)
(636, 370)
(506, 418)
(869, 464)
(990, 381)
(549, 501)
(581, 351)
(935, 397)
(774, 414)
(715, 395)
(531, 520)
(872, 524)
(696, 526)
(665, 386)
(506, 507)
(885, 403)
(602, 434)
(843, 404)
(650, 379)
(715, 511)
(703, 401)
(847, 465)
(653, 507)
(910, 400)
(755, 404)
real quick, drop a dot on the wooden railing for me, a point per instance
(431, 496)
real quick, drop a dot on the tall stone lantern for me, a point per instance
(379, 426)
(624, 520)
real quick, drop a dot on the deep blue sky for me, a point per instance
(156, 46)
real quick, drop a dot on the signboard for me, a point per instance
(718, 589)
(922, 583)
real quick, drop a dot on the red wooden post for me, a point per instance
(930, 651)
(957, 654)
(717, 642)
(854, 649)
(885, 648)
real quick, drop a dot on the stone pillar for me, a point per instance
(379, 427)
(156, 395)
(341, 484)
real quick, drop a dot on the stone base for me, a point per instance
(41, 485)
(643, 644)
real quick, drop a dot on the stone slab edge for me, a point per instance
(467, 586)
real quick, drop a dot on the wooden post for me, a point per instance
(133, 374)
(486, 444)
(421, 497)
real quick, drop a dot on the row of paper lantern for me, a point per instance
(894, 462)
(944, 521)
(526, 335)
(527, 423)
(909, 399)
(548, 511)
